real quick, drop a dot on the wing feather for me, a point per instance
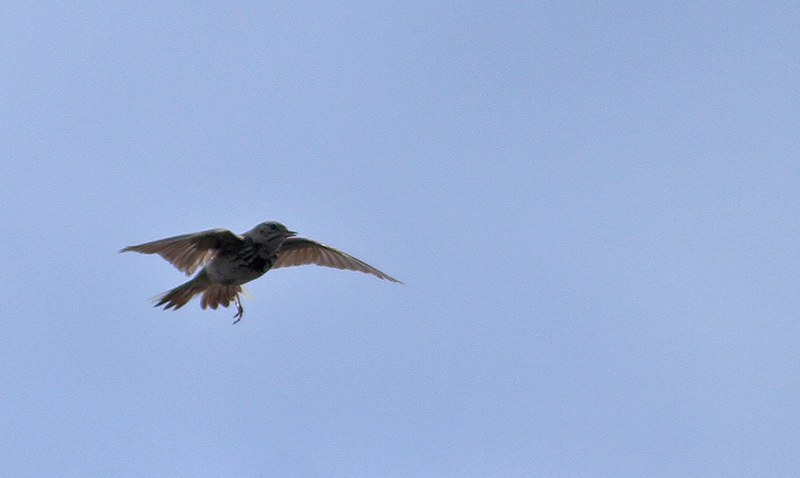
(190, 251)
(298, 251)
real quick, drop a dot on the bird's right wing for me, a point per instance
(297, 251)
(190, 251)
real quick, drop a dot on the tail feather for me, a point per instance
(214, 295)
(217, 295)
(179, 296)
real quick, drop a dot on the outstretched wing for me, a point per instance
(190, 251)
(298, 251)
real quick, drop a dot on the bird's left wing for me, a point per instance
(297, 251)
(190, 251)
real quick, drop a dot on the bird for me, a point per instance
(229, 260)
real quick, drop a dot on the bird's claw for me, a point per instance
(239, 312)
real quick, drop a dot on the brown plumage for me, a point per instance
(231, 260)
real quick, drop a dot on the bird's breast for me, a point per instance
(259, 264)
(236, 269)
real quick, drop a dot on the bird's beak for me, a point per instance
(290, 233)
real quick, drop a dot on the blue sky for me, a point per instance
(593, 207)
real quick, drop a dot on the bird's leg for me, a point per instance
(240, 309)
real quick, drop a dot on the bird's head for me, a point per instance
(270, 231)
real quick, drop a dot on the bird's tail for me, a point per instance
(220, 295)
(179, 296)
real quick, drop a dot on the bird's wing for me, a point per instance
(190, 251)
(298, 251)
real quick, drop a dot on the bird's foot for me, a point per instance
(240, 310)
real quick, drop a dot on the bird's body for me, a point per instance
(231, 260)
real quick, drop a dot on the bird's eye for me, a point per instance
(273, 227)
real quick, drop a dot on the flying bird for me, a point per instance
(230, 260)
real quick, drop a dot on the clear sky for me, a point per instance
(593, 206)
